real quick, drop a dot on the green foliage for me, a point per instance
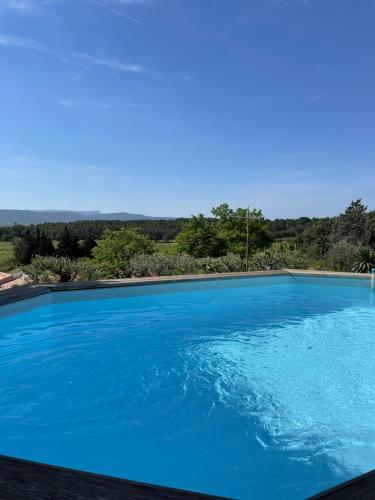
(69, 245)
(202, 245)
(59, 269)
(365, 262)
(169, 265)
(226, 264)
(86, 247)
(156, 230)
(316, 239)
(24, 249)
(353, 224)
(281, 255)
(31, 245)
(232, 229)
(200, 238)
(290, 228)
(114, 251)
(341, 257)
(165, 248)
(7, 259)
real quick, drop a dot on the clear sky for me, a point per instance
(169, 107)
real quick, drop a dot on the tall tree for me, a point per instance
(87, 247)
(24, 248)
(352, 225)
(68, 245)
(200, 238)
(43, 245)
(232, 229)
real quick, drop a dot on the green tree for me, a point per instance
(68, 245)
(87, 247)
(24, 248)
(114, 251)
(43, 245)
(232, 229)
(32, 244)
(353, 224)
(200, 238)
(316, 240)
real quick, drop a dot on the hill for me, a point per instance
(27, 217)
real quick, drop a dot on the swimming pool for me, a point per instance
(259, 388)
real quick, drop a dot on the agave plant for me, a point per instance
(366, 261)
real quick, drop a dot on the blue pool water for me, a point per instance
(260, 388)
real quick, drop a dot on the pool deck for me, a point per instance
(25, 480)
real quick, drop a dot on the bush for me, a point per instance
(115, 250)
(169, 265)
(163, 265)
(280, 255)
(342, 257)
(228, 264)
(365, 262)
(152, 265)
(59, 269)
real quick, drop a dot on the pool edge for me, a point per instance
(24, 292)
(30, 480)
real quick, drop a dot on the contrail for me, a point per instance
(115, 11)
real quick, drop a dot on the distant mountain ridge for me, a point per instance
(27, 217)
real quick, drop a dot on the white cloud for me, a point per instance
(35, 6)
(73, 57)
(26, 43)
(107, 5)
(27, 6)
(72, 103)
(107, 62)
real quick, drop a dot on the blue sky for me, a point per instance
(169, 107)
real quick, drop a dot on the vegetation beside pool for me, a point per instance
(200, 245)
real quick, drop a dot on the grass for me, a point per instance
(166, 248)
(6, 257)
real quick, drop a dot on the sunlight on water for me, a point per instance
(310, 384)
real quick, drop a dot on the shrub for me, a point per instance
(342, 257)
(163, 265)
(365, 262)
(168, 265)
(115, 250)
(59, 269)
(152, 265)
(280, 255)
(227, 264)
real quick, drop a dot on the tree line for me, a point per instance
(163, 230)
(156, 230)
(342, 243)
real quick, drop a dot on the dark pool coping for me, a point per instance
(359, 488)
(26, 480)
(29, 291)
